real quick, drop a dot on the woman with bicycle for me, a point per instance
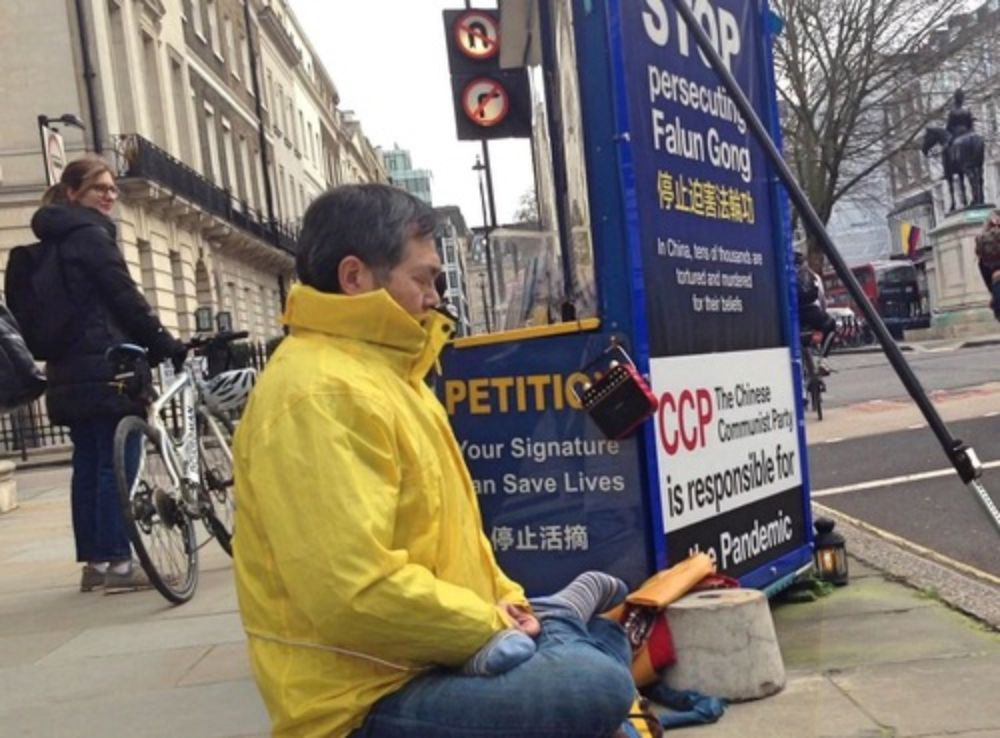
(75, 221)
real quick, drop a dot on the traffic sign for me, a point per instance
(485, 102)
(492, 105)
(477, 34)
(54, 154)
(490, 102)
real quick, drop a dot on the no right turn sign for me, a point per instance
(485, 102)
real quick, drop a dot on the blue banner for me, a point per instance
(701, 184)
(557, 497)
(706, 228)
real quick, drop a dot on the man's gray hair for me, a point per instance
(370, 221)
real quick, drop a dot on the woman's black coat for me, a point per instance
(110, 308)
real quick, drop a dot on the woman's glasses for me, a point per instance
(105, 189)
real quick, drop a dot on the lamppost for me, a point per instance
(53, 152)
(486, 308)
(479, 167)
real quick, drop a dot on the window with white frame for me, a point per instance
(227, 32)
(230, 152)
(196, 18)
(245, 56)
(215, 168)
(213, 25)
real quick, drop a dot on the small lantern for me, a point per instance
(203, 319)
(224, 321)
(830, 554)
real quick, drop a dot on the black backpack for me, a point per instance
(21, 381)
(37, 295)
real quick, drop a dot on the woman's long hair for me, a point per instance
(78, 175)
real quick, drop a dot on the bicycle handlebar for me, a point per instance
(219, 339)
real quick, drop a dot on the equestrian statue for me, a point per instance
(961, 152)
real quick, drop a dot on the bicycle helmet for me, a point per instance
(229, 390)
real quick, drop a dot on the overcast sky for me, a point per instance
(389, 63)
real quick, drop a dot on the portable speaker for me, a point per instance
(618, 399)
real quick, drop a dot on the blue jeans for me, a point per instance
(577, 685)
(98, 522)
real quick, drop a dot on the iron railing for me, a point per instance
(28, 430)
(140, 158)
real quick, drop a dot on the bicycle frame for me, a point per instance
(180, 455)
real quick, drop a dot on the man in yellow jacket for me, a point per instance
(363, 575)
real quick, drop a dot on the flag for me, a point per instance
(909, 239)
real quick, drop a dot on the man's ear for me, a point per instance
(354, 276)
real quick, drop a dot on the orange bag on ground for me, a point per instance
(644, 620)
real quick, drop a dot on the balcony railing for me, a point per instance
(140, 158)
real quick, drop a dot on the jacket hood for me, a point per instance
(374, 318)
(55, 222)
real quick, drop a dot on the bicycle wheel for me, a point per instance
(155, 518)
(215, 442)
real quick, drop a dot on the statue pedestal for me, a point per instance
(960, 299)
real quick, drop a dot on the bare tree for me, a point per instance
(841, 65)
(527, 207)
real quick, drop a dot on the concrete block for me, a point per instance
(8, 486)
(726, 645)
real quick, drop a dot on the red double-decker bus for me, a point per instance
(892, 287)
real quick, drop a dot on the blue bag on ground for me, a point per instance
(684, 707)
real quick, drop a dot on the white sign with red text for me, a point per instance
(725, 432)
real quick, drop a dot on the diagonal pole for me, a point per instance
(961, 456)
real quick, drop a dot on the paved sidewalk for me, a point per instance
(875, 658)
(931, 344)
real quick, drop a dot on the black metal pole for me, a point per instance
(961, 456)
(489, 183)
(488, 171)
(88, 77)
(487, 247)
(262, 139)
(261, 130)
(486, 309)
(43, 123)
(559, 176)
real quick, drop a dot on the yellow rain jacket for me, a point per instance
(360, 559)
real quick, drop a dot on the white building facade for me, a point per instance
(213, 180)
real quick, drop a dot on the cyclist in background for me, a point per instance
(812, 308)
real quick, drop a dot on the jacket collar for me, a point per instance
(412, 345)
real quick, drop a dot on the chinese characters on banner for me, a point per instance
(727, 450)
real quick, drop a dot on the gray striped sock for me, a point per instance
(591, 593)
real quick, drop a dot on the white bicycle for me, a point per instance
(176, 465)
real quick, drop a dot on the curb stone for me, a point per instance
(970, 595)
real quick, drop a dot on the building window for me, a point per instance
(182, 295)
(229, 150)
(227, 32)
(213, 26)
(284, 214)
(196, 13)
(246, 192)
(119, 58)
(215, 169)
(245, 56)
(154, 98)
(185, 152)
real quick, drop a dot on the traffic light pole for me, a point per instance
(961, 456)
